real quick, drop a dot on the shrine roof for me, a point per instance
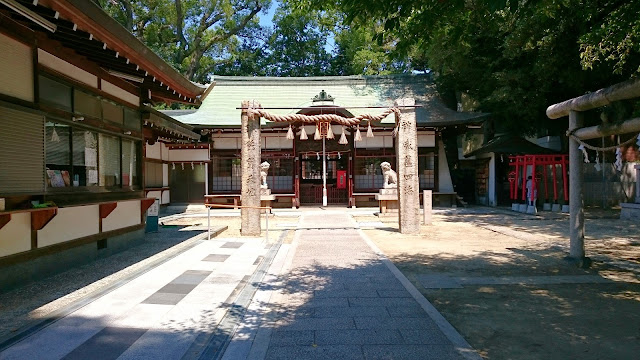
(355, 93)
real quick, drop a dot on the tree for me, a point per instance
(513, 57)
(189, 34)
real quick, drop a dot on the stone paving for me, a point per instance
(329, 294)
(338, 297)
(157, 315)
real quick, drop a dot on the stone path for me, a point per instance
(330, 294)
(337, 297)
(158, 315)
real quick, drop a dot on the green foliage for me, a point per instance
(189, 34)
(514, 57)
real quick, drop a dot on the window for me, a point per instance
(426, 170)
(112, 112)
(85, 158)
(109, 161)
(86, 104)
(227, 173)
(54, 93)
(58, 154)
(280, 174)
(129, 163)
(368, 174)
(132, 119)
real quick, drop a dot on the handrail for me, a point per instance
(209, 206)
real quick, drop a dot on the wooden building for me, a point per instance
(74, 93)
(353, 169)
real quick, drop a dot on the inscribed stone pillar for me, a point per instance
(250, 193)
(407, 164)
(576, 204)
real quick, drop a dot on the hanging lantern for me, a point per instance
(329, 131)
(358, 136)
(290, 133)
(343, 138)
(369, 131)
(303, 134)
(317, 135)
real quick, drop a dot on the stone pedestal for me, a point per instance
(266, 198)
(407, 165)
(388, 201)
(250, 194)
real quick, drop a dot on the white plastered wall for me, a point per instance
(427, 139)
(126, 214)
(444, 176)
(154, 151)
(226, 141)
(379, 140)
(120, 93)
(69, 224)
(189, 155)
(275, 141)
(15, 236)
(70, 70)
(166, 197)
(155, 195)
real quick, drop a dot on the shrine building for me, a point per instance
(295, 176)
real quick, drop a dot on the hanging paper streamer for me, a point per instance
(329, 132)
(339, 157)
(290, 133)
(182, 165)
(343, 138)
(317, 135)
(618, 162)
(638, 142)
(584, 152)
(394, 133)
(317, 156)
(369, 131)
(54, 135)
(303, 134)
(597, 164)
(358, 136)
(173, 166)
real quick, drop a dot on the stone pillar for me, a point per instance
(250, 194)
(407, 165)
(576, 203)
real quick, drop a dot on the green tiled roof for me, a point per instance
(219, 107)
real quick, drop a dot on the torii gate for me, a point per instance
(406, 153)
(574, 108)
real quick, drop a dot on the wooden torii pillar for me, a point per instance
(250, 157)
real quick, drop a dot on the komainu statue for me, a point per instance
(390, 176)
(264, 168)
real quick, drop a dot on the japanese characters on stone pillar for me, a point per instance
(407, 165)
(250, 193)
